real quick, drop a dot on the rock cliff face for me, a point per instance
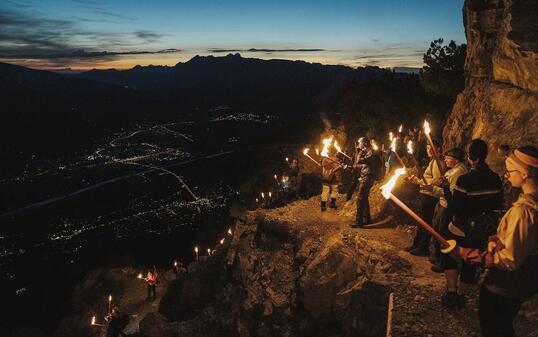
(500, 101)
(284, 272)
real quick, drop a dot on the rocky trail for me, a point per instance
(297, 271)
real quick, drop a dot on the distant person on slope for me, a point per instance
(117, 322)
(151, 279)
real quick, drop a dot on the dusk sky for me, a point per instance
(85, 34)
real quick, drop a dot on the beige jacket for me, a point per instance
(451, 176)
(518, 232)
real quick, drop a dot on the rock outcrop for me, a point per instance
(276, 278)
(500, 101)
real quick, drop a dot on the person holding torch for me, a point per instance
(421, 242)
(476, 197)
(330, 173)
(511, 257)
(151, 279)
(371, 169)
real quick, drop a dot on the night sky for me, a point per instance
(84, 34)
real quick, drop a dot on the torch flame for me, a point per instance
(257, 200)
(270, 194)
(263, 195)
(275, 177)
(287, 159)
(393, 144)
(139, 276)
(229, 231)
(110, 298)
(93, 320)
(305, 151)
(175, 263)
(391, 136)
(221, 241)
(410, 147)
(400, 128)
(317, 152)
(427, 127)
(374, 145)
(387, 188)
(326, 145)
(196, 249)
(208, 251)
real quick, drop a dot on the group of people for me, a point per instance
(492, 219)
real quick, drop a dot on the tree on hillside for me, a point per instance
(443, 72)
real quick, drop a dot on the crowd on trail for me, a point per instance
(488, 221)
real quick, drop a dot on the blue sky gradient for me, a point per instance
(86, 34)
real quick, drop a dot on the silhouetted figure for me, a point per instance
(117, 322)
(294, 173)
(369, 162)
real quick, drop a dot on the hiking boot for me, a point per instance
(356, 224)
(333, 203)
(437, 268)
(450, 300)
(462, 300)
(419, 252)
(323, 206)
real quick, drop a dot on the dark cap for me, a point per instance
(457, 153)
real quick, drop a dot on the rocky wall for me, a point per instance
(500, 101)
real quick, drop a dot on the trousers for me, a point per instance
(363, 205)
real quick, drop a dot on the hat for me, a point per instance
(525, 162)
(456, 153)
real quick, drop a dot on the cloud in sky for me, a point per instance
(114, 33)
(265, 50)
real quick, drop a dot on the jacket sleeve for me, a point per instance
(459, 204)
(517, 239)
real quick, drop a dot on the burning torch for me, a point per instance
(415, 161)
(434, 149)
(446, 245)
(94, 322)
(305, 152)
(393, 148)
(337, 147)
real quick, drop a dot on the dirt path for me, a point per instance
(417, 291)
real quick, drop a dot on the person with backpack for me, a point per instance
(511, 256)
(152, 279)
(476, 197)
(370, 165)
